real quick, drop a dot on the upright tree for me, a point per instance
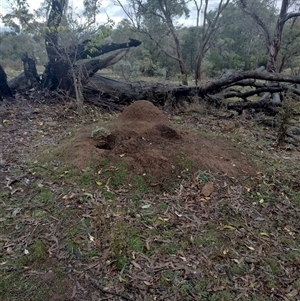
(238, 44)
(164, 13)
(273, 40)
(210, 23)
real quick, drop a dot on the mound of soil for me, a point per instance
(145, 139)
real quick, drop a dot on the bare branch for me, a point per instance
(257, 20)
(236, 77)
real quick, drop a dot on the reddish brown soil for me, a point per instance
(145, 139)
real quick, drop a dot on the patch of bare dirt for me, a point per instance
(145, 139)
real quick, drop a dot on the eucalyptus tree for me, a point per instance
(288, 10)
(157, 19)
(238, 44)
(289, 54)
(24, 34)
(19, 18)
(210, 24)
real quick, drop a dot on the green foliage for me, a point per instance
(189, 45)
(15, 285)
(36, 253)
(232, 48)
(289, 54)
(127, 70)
(155, 21)
(30, 27)
(203, 176)
(156, 9)
(44, 196)
(20, 19)
(108, 195)
(13, 46)
(97, 38)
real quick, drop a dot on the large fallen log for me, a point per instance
(109, 92)
(235, 78)
(124, 92)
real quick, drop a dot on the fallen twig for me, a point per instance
(108, 292)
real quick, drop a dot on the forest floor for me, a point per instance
(145, 205)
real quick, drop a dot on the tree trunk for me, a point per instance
(273, 42)
(4, 88)
(57, 71)
(274, 46)
(30, 71)
(63, 70)
(208, 29)
(198, 68)
(82, 51)
(123, 92)
(177, 44)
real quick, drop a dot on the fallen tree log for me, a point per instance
(82, 51)
(236, 77)
(72, 68)
(266, 106)
(123, 92)
(112, 93)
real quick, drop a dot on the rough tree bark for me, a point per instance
(102, 90)
(207, 31)
(63, 60)
(4, 88)
(273, 42)
(164, 9)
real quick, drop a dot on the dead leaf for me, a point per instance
(250, 248)
(135, 264)
(16, 212)
(264, 234)
(229, 227)
(9, 250)
(148, 242)
(207, 189)
(293, 293)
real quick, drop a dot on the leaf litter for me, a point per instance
(212, 238)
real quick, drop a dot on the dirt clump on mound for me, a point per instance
(144, 138)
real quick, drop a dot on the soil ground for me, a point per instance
(144, 138)
(145, 205)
